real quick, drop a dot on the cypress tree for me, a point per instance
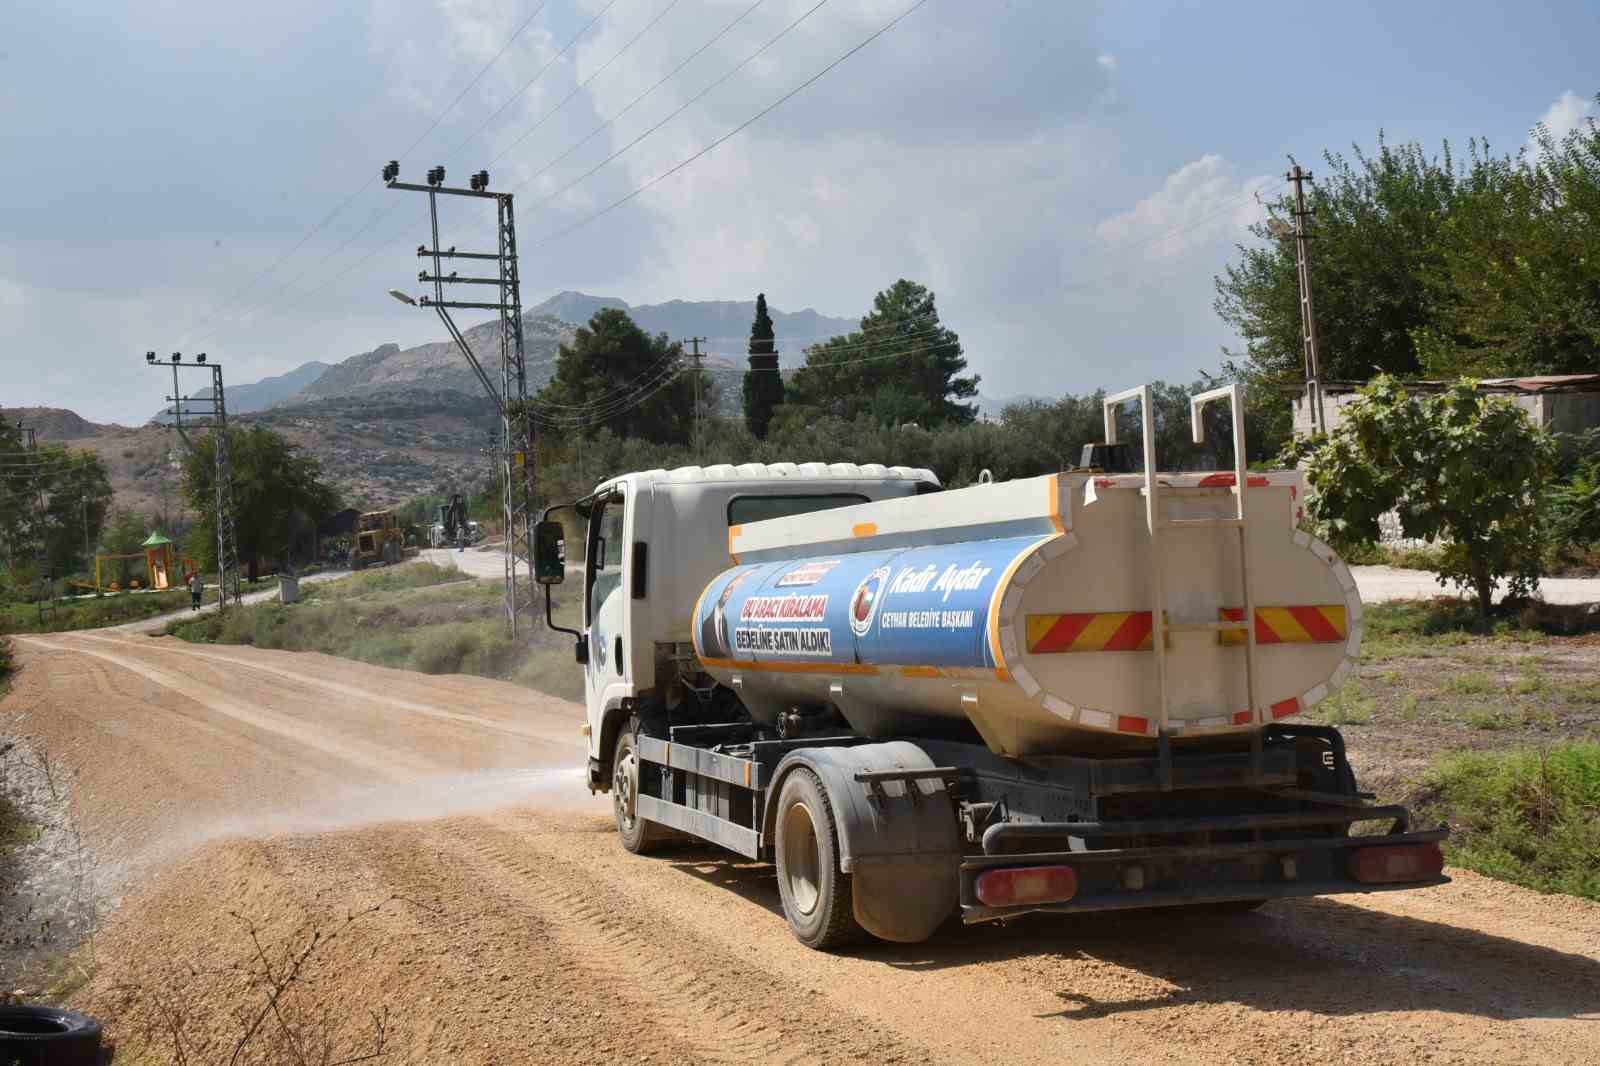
(763, 384)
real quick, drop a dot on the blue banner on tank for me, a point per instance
(908, 607)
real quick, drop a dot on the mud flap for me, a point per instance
(898, 839)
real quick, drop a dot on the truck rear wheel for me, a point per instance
(639, 836)
(816, 894)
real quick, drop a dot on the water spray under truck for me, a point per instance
(1075, 692)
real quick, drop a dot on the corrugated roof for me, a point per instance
(1544, 383)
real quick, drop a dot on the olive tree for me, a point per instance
(1458, 466)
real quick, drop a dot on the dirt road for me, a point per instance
(222, 786)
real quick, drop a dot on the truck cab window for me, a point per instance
(742, 509)
(606, 539)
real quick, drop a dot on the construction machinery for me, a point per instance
(379, 539)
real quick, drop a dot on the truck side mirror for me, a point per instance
(548, 541)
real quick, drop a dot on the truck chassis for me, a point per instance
(930, 826)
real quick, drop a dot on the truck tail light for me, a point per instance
(1027, 884)
(1396, 863)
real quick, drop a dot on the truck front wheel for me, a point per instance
(638, 835)
(816, 894)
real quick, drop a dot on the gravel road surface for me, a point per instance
(219, 785)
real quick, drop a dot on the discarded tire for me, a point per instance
(45, 1036)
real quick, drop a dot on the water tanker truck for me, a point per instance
(1076, 692)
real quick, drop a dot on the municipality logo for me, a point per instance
(864, 604)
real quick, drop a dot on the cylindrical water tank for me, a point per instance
(1041, 642)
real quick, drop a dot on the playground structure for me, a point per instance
(158, 566)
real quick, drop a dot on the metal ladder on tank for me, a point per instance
(1159, 524)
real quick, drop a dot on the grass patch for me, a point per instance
(1529, 681)
(95, 612)
(1581, 693)
(1528, 817)
(423, 617)
(15, 830)
(1431, 629)
(1346, 707)
(1484, 718)
(1471, 683)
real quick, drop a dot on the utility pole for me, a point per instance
(1308, 315)
(698, 360)
(213, 412)
(45, 582)
(511, 397)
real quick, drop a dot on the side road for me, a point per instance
(157, 623)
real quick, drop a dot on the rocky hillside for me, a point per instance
(725, 323)
(395, 422)
(429, 369)
(260, 395)
(379, 451)
(54, 423)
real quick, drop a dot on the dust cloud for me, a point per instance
(416, 799)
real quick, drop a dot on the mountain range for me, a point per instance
(429, 369)
(392, 423)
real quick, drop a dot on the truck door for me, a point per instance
(603, 604)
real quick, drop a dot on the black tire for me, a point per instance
(357, 563)
(638, 835)
(391, 553)
(46, 1036)
(817, 896)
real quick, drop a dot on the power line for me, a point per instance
(637, 99)
(736, 130)
(331, 215)
(576, 89)
(402, 236)
(696, 98)
(540, 73)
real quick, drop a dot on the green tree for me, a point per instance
(1516, 279)
(78, 499)
(763, 384)
(615, 376)
(1458, 466)
(77, 496)
(277, 490)
(1377, 220)
(124, 534)
(902, 366)
(13, 486)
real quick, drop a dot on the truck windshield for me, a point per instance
(742, 509)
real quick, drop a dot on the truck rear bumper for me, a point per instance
(1186, 874)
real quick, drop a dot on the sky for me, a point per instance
(1068, 178)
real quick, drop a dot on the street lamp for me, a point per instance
(404, 298)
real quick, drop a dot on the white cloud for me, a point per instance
(1108, 62)
(1196, 204)
(1565, 115)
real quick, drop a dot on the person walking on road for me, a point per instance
(196, 586)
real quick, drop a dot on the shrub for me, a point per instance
(1460, 468)
(1529, 817)
(444, 649)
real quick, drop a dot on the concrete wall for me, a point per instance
(1558, 412)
